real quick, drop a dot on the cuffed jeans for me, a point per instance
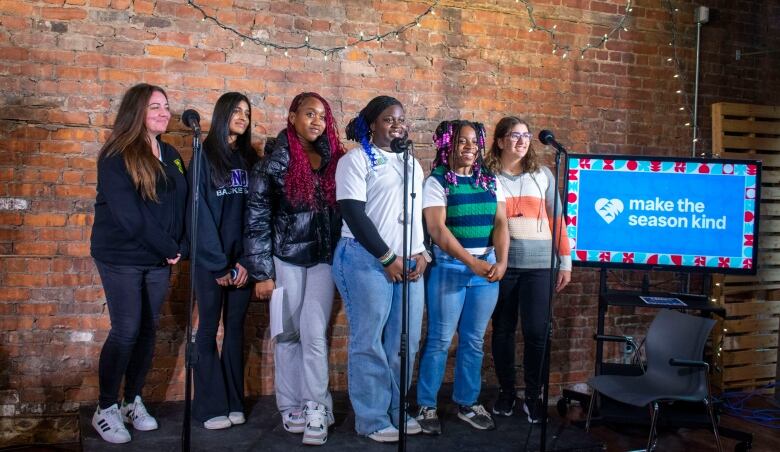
(457, 299)
(219, 381)
(373, 307)
(134, 295)
(525, 291)
(301, 355)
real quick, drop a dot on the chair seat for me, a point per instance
(642, 390)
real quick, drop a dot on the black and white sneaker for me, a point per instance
(505, 404)
(109, 424)
(135, 413)
(476, 416)
(429, 420)
(533, 411)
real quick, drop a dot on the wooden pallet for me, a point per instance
(748, 338)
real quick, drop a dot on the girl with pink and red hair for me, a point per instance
(292, 226)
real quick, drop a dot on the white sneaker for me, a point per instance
(135, 413)
(236, 417)
(294, 421)
(109, 425)
(412, 426)
(316, 431)
(386, 435)
(217, 423)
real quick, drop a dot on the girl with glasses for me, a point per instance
(530, 194)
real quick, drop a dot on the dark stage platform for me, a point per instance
(264, 432)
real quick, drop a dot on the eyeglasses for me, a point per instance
(515, 136)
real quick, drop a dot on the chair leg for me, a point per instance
(590, 410)
(654, 418)
(711, 412)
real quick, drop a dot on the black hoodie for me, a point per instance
(129, 230)
(220, 217)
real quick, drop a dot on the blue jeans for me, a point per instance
(456, 299)
(373, 306)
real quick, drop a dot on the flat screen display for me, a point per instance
(692, 214)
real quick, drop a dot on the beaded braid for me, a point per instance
(300, 179)
(359, 128)
(445, 138)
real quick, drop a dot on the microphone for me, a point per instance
(401, 144)
(547, 138)
(191, 119)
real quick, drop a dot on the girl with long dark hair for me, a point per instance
(368, 268)
(221, 277)
(139, 223)
(292, 227)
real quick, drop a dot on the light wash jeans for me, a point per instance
(373, 306)
(301, 356)
(456, 299)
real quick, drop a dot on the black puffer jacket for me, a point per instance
(274, 227)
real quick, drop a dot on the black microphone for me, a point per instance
(547, 138)
(191, 119)
(401, 144)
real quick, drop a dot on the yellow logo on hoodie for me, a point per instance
(179, 165)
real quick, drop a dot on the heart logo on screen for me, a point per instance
(609, 209)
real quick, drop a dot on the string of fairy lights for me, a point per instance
(565, 49)
(679, 71)
(558, 48)
(307, 44)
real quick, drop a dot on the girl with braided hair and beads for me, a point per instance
(292, 226)
(465, 215)
(368, 268)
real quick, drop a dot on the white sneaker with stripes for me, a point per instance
(135, 413)
(109, 424)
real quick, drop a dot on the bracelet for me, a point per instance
(387, 258)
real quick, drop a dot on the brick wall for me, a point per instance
(64, 65)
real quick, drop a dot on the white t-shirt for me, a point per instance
(381, 188)
(434, 196)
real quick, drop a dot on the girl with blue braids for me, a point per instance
(465, 216)
(368, 269)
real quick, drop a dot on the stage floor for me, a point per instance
(264, 432)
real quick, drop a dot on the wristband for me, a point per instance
(427, 256)
(388, 258)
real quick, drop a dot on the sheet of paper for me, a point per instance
(277, 312)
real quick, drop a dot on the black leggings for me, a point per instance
(525, 292)
(134, 295)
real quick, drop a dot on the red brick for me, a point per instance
(63, 13)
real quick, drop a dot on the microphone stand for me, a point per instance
(190, 355)
(403, 146)
(556, 235)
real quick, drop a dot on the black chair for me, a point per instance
(675, 371)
